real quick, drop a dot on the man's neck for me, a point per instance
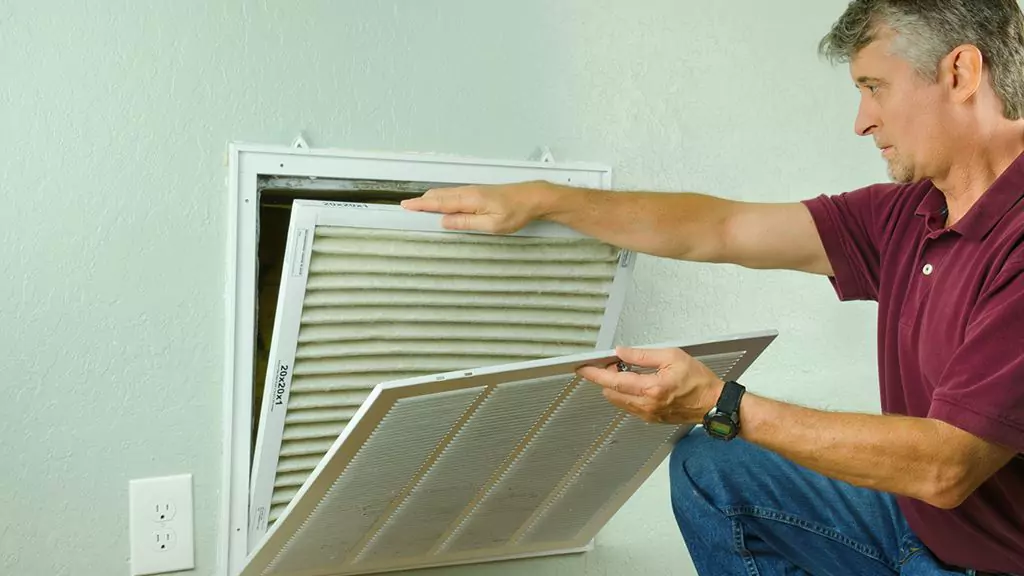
(977, 166)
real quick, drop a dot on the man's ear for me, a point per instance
(962, 70)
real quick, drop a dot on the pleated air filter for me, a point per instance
(504, 462)
(373, 293)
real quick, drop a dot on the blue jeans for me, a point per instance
(744, 510)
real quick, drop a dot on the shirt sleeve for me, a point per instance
(982, 390)
(850, 226)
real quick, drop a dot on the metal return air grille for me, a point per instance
(374, 304)
(510, 461)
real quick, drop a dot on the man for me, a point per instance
(935, 485)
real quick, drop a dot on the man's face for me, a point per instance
(901, 110)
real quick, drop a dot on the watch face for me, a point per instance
(719, 427)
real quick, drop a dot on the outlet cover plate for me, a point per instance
(160, 524)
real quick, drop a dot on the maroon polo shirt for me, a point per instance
(950, 337)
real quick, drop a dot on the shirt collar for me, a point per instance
(1002, 195)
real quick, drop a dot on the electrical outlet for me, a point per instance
(164, 539)
(163, 510)
(160, 524)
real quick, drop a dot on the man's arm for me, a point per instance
(684, 226)
(921, 458)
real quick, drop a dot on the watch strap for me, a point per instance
(729, 400)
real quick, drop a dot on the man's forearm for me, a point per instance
(690, 226)
(686, 226)
(913, 457)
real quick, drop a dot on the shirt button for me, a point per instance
(927, 270)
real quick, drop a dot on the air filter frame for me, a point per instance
(306, 216)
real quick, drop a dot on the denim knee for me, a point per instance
(704, 470)
(695, 451)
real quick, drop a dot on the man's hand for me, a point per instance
(498, 209)
(680, 391)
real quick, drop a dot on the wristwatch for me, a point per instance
(723, 421)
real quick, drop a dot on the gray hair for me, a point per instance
(928, 30)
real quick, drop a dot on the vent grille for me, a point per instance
(522, 488)
(481, 446)
(515, 460)
(375, 476)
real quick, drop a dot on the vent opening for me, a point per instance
(263, 182)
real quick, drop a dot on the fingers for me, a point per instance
(467, 222)
(460, 199)
(649, 357)
(620, 400)
(640, 407)
(478, 208)
(425, 203)
(624, 382)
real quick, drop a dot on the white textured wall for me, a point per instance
(114, 117)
